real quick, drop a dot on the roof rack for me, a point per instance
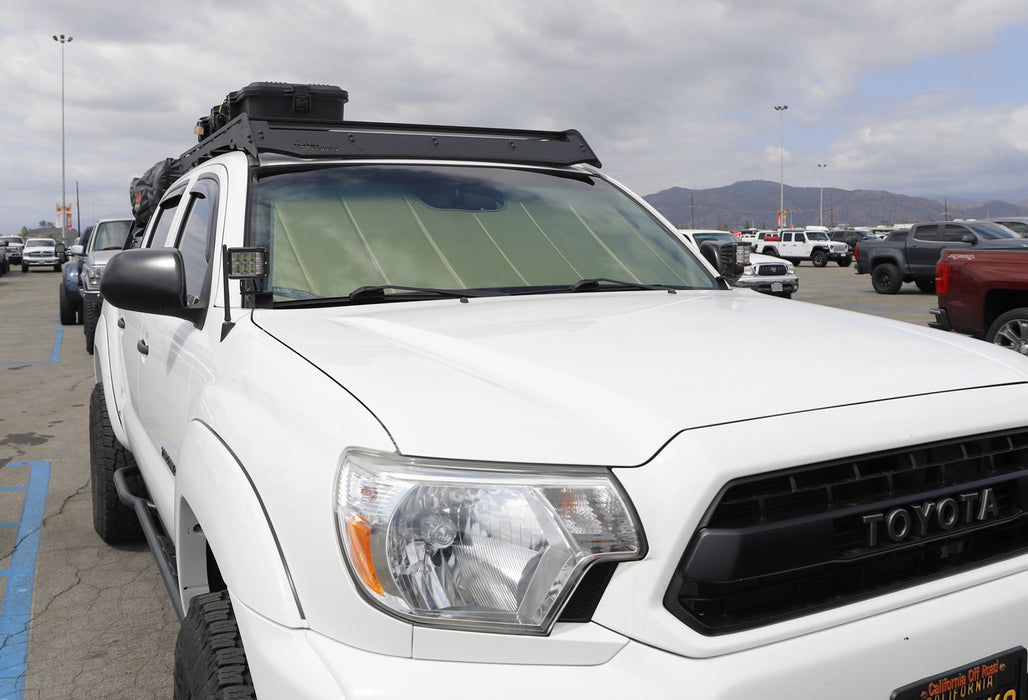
(352, 140)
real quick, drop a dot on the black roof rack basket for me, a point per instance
(360, 140)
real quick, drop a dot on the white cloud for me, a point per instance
(669, 93)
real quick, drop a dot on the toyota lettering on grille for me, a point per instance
(920, 519)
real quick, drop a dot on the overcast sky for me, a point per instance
(920, 97)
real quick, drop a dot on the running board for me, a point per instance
(160, 544)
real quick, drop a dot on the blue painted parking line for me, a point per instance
(30, 341)
(20, 575)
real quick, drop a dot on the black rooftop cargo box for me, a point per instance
(288, 102)
(278, 102)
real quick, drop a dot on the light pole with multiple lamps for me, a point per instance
(64, 212)
(821, 208)
(781, 163)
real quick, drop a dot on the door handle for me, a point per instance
(142, 347)
(121, 323)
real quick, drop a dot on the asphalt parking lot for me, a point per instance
(79, 619)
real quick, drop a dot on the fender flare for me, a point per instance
(891, 257)
(217, 506)
(104, 375)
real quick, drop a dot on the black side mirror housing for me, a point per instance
(149, 280)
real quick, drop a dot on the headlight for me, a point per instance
(93, 275)
(474, 547)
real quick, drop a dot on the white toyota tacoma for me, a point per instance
(430, 412)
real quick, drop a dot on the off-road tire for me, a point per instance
(24, 267)
(773, 252)
(115, 522)
(886, 279)
(819, 258)
(90, 315)
(209, 657)
(926, 286)
(844, 262)
(68, 314)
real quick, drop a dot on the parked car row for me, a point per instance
(40, 251)
(79, 291)
(910, 255)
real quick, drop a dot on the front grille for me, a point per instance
(770, 270)
(792, 542)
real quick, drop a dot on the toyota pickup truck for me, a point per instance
(984, 293)
(909, 255)
(415, 411)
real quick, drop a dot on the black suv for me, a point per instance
(851, 236)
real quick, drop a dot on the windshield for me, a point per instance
(991, 231)
(40, 243)
(12, 240)
(111, 235)
(1018, 227)
(701, 237)
(332, 231)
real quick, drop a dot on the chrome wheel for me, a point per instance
(1013, 335)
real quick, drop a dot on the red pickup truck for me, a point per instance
(984, 293)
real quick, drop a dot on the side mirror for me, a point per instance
(969, 238)
(76, 250)
(149, 280)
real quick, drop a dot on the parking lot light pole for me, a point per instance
(62, 221)
(821, 208)
(781, 163)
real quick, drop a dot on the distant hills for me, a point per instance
(754, 204)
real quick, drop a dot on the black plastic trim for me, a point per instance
(788, 543)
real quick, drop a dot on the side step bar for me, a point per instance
(160, 544)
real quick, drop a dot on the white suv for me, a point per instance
(428, 412)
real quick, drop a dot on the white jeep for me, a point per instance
(438, 412)
(797, 245)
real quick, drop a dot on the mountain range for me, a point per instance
(754, 204)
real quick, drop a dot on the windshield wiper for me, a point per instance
(597, 283)
(378, 292)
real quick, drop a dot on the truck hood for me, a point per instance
(608, 378)
(102, 257)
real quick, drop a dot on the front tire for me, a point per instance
(1010, 330)
(24, 267)
(209, 657)
(886, 279)
(844, 262)
(115, 522)
(926, 286)
(819, 258)
(68, 314)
